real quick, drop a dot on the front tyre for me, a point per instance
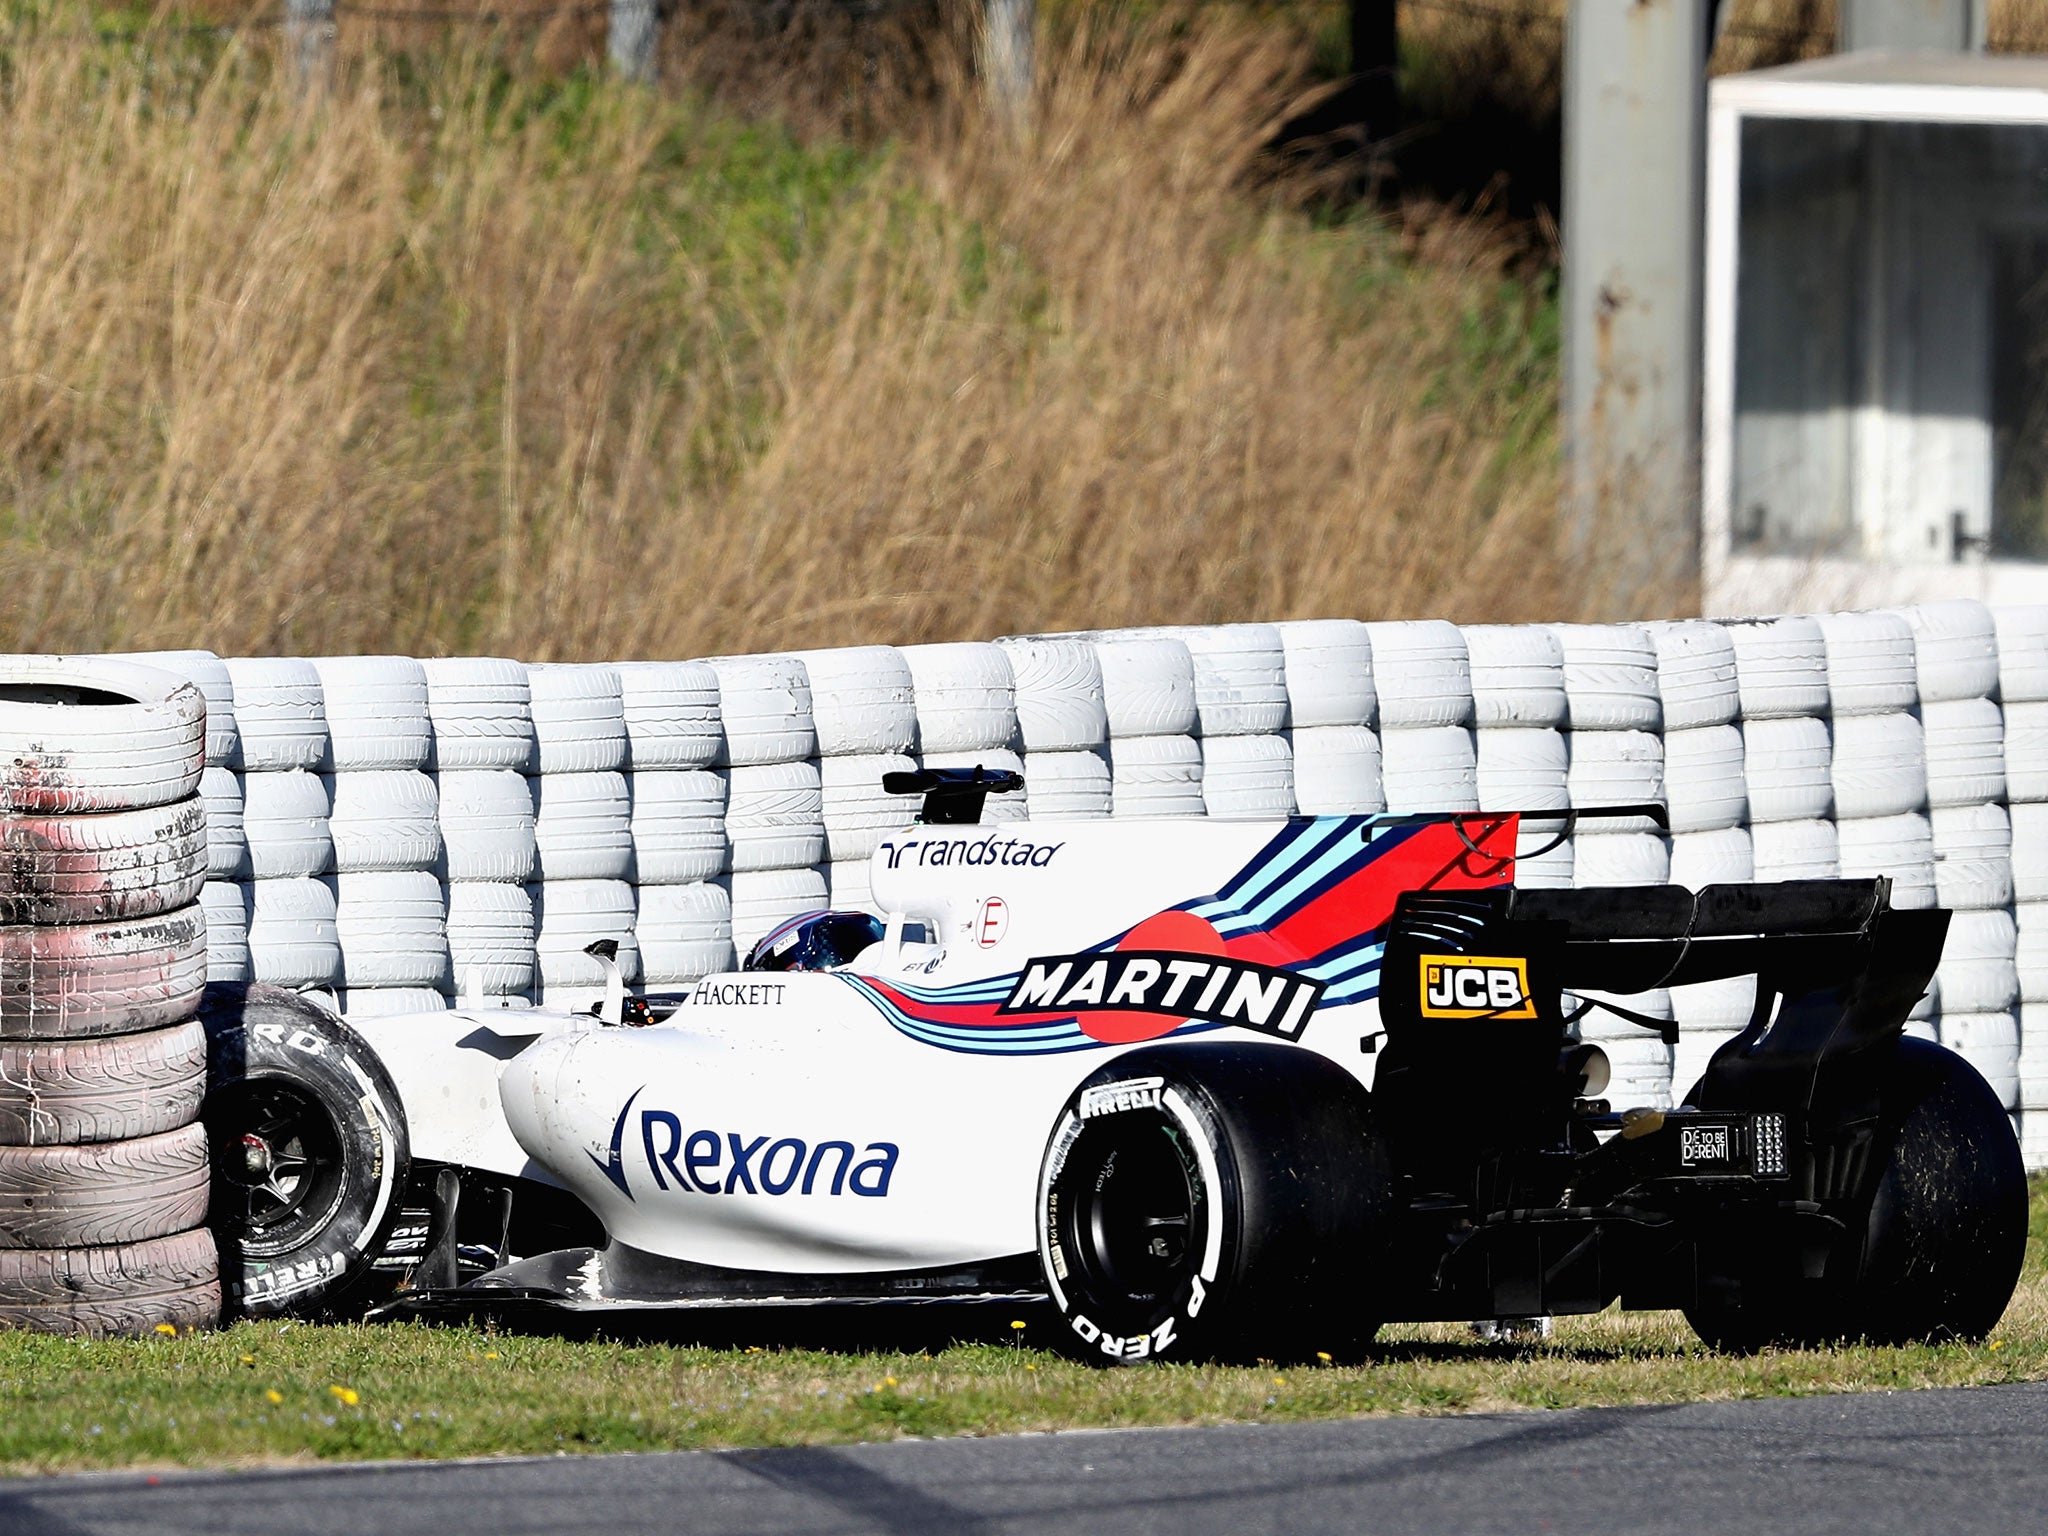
(310, 1152)
(1215, 1201)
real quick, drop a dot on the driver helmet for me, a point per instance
(817, 941)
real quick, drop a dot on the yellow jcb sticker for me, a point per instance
(1476, 987)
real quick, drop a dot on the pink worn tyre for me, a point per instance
(94, 869)
(93, 979)
(116, 1088)
(107, 1193)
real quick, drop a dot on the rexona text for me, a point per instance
(708, 1162)
(1210, 987)
(982, 852)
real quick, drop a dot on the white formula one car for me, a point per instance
(1214, 1088)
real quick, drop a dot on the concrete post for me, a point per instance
(309, 40)
(1951, 26)
(1008, 63)
(631, 39)
(1634, 222)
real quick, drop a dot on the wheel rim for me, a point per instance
(278, 1171)
(1135, 1214)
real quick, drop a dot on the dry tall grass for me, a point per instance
(463, 362)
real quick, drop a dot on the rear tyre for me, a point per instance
(1939, 1253)
(1215, 1201)
(310, 1152)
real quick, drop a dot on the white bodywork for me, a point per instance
(891, 1117)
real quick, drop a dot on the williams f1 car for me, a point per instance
(1214, 1089)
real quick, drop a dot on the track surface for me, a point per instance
(1947, 1461)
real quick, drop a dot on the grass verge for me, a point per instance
(275, 1393)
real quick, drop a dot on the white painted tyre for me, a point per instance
(1606, 858)
(292, 938)
(1421, 674)
(1337, 770)
(1781, 667)
(1965, 751)
(763, 898)
(1429, 768)
(1695, 674)
(481, 712)
(858, 811)
(1614, 768)
(764, 706)
(966, 696)
(849, 886)
(491, 939)
(1972, 856)
(1064, 786)
(1240, 678)
(1610, 677)
(1979, 970)
(684, 932)
(582, 826)
(393, 929)
(1689, 1058)
(376, 713)
(209, 674)
(775, 816)
(1879, 765)
(1329, 672)
(91, 733)
(99, 868)
(384, 818)
(579, 719)
(671, 714)
(1704, 790)
(2022, 634)
(1015, 806)
(1156, 776)
(1517, 676)
(1522, 768)
(2026, 752)
(1871, 665)
(91, 979)
(225, 904)
(1900, 848)
(1640, 1061)
(1990, 1042)
(285, 821)
(1956, 650)
(678, 825)
(2030, 954)
(1247, 778)
(1787, 768)
(487, 825)
(569, 915)
(1543, 860)
(1148, 685)
(227, 844)
(389, 1002)
(2029, 851)
(1795, 850)
(863, 700)
(1060, 702)
(280, 718)
(1715, 1007)
(1701, 859)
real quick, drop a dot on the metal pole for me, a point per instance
(1007, 59)
(1949, 26)
(1634, 222)
(309, 35)
(633, 34)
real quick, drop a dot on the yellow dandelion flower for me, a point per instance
(248, 1359)
(490, 1354)
(1017, 1322)
(888, 1381)
(1279, 1381)
(170, 1328)
(348, 1395)
(274, 1395)
(1323, 1355)
(1030, 1367)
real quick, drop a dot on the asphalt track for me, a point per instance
(1949, 1461)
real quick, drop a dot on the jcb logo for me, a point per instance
(1476, 987)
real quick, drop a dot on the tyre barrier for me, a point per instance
(104, 859)
(1911, 743)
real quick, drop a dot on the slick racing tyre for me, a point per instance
(310, 1152)
(1215, 1201)
(1940, 1251)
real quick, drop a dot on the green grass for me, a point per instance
(266, 1393)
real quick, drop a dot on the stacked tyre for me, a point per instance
(683, 922)
(1519, 711)
(775, 796)
(1062, 726)
(1241, 713)
(103, 1161)
(1423, 680)
(2023, 692)
(864, 716)
(1148, 698)
(583, 832)
(1332, 704)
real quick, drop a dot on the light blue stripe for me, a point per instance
(1304, 846)
(1330, 970)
